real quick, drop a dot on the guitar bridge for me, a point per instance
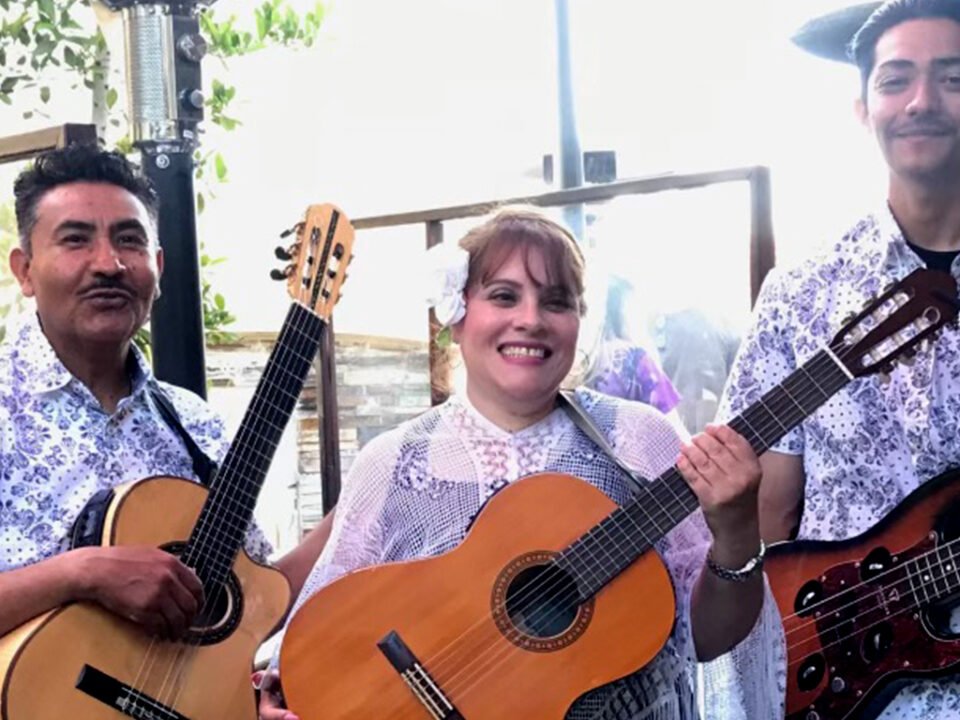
(133, 703)
(424, 687)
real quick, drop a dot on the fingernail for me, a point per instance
(257, 680)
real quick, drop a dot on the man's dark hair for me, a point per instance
(76, 163)
(862, 49)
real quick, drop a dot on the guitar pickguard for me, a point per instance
(865, 614)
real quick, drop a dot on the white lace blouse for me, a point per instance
(413, 491)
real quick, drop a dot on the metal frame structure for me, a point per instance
(761, 259)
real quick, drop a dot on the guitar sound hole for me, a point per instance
(811, 673)
(216, 610)
(807, 598)
(878, 561)
(542, 601)
(877, 642)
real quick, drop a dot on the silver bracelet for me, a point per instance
(752, 566)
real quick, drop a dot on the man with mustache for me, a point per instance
(849, 464)
(79, 406)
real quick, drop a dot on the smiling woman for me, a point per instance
(414, 492)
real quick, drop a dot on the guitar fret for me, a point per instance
(218, 534)
(617, 541)
(911, 578)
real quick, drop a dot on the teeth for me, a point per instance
(524, 352)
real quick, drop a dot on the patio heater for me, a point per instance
(164, 48)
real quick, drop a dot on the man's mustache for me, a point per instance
(925, 126)
(107, 285)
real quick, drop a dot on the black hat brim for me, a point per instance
(827, 36)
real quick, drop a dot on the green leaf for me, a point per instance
(221, 167)
(111, 97)
(28, 114)
(263, 24)
(45, 94)
(8, 84)
(219, 301)
(201, 204)
(70, 57)
(47, 9)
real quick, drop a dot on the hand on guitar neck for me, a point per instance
(143, 584)
(724, 473)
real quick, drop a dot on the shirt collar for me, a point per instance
(900, 260)
(40, 369)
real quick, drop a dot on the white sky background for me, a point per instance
(402, 106)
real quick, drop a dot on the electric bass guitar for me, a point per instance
(555, 590)
(862, 614)
(80, 660)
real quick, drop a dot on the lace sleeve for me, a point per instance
(356, 538)
(748, 682)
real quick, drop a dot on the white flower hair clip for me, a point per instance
(448, 265)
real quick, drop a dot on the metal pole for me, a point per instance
(177, 323)
(571, 157)
(164, 49)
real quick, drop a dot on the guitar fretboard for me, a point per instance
(618, 540)
(223, 522)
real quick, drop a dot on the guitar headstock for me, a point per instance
(318, 258)
(891, 326)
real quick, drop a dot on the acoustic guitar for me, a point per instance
(861, 615)
(555, 590)
(81, 661)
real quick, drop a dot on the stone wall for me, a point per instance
(380, 383)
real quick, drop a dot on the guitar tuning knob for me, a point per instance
(280, 274)
(282, 253)
(290, 231)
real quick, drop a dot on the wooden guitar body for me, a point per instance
(42, 660)
(449, 611)
(862, 613)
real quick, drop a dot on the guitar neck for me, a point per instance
(225, 517)
(619, 539)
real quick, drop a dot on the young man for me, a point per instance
(77, 410)
(851, 463)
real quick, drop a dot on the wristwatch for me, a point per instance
(752, 566)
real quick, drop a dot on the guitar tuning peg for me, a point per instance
(282, 253)
(290, 231)
(281, 274)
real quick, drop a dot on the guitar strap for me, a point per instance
(88, 528)
(567, 400)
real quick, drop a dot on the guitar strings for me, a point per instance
(907, 577)
(840, 351)
(650, 490)
(303, 351)
(185, 651)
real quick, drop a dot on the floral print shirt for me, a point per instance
(875, 441)
(58, 446)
